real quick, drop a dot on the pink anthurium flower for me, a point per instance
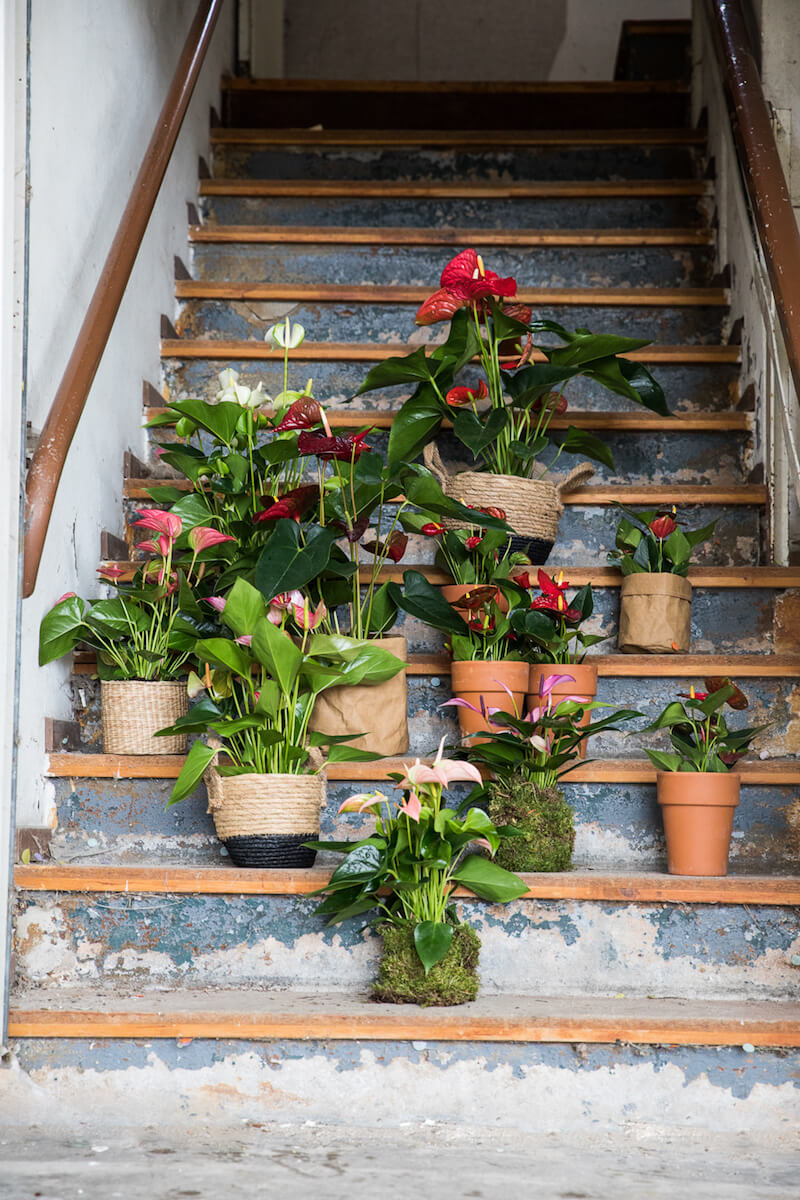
(412, 806)
(202, 537)
(110, 572)
(217, 602)
(245, 639)
(442, 771)
(161, 545)
(363, 802)
(160, 521)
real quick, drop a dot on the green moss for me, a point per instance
(401, 975)
(543, 817)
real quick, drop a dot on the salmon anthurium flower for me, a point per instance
(363, 802)
(160, 521)
(202, 537)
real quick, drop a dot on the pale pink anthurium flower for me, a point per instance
(442, 770)
(363, 802)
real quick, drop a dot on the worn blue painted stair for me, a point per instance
(613, 994)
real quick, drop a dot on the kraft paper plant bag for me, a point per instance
(379, 711)
(655, 614)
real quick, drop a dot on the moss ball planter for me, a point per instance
(545, 820)
(401, 975)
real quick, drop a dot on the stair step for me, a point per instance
(456, 139)
(75, 765)
(264, 1014)
(370, 293)
(581, 884)
(455, 189)
(218, 348)
(405, 236)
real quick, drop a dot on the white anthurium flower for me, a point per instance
(256, 398)
(227, 380)
(286, 335)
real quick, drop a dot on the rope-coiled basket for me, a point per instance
(533, 507)
(133, 710)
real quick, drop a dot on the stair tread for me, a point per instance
(216, 348)
(453, 139)
(442, 236)
(257, 1013)
(394, 188)
(580, 884)
(372, 293)
(601, 87)
(79, 765)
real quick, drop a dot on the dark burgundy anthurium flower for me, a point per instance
(303, 414)
(552, 403)
(394, 547)
(737, 701)
(356, 531)
(292, 504)
(345, 447)
(457, 397)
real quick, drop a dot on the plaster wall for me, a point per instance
(99, 72)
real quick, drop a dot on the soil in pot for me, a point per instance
(655, 614)
(471, 680)
(377, 711)
(698, 808)
(584, 685)
(401, 975)
(545, 820)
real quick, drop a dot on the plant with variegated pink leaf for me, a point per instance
(420, 851)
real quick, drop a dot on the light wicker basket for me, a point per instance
(133, 710)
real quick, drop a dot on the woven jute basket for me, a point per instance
(533, 507)
(265, 819)
(133, 710)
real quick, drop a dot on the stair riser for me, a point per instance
(246, 319)
(515, 164)
(126, 821)
(567, 266)
(689, 388)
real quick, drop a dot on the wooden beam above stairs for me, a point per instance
(382, 235)
(454, 190)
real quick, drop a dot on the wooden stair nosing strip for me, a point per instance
(635, 887)
(412, 236)
(589, 87)
(629, 422)
(284, 1016)
(370, 293)
(597, 495)
(455, 190)
(217, 348)
(455, 139)
(76, 765)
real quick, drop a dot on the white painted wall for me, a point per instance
(99, 72)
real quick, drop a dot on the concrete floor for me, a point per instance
(299, 1162)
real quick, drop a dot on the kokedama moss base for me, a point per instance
(401, 975)
(545, 820)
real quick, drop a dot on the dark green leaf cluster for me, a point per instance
(639, 550)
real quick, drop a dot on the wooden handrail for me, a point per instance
(762, 169)
(68, 404)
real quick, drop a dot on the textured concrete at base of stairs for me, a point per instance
(530, 1088)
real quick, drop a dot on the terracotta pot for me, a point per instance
(379, 710)
(655, 614)
(585, 686)
(453, 592)
(698, 808)
(471, 680)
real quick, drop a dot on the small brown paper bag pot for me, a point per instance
(378, 710)
(655, 614)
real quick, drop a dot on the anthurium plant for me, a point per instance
(263, 672)
(699, 732)
(549, 627)
(148, 629)
(485, 635)
(419, 852)
(656, 540)
(473, 555)
(543, 745)
(505, 420)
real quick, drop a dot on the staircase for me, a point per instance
(151, 973)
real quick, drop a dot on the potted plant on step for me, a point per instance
(527, 758)
(698, 787)
(407, 870)
(505, 421)
(653, 552)
(143, 636)
(262, 676)
(475, 557)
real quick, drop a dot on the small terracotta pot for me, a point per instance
(585, 686)
(454, 592)
(698, 808)
(471, 680)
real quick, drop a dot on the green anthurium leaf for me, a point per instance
(382, 612)
(164, 494)
(407, 369)
(220, 419)
(695, 536)
(416, 424)
(421, 599)
(664, 762)
(244, 608)
(432, 940)
(535, 380)
(528, 450)
(462, 345)
(61, 629)
(277, 653)
(193, 510)
(478, 432)
(506, 327)
(361, 865)
(489, 881)
(585, 347)
(648, 390)
(673, 714)
(579, 441)
(287, 563)
(425, 491)
(677, 547)
(716, 699)
(116, 618)
(224, 653)
(342, 753)
(197, 760)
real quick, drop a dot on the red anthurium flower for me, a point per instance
(466, 278)
(519, 356)
(472, 542)
(438, 307)
(519, 312)
(481, 623)
(160, 521)
(110, 573)
(522, 577)
(292, 504)
(344, 448)
(432, 529)
(552, 598)
(459, 396)
(491, 511)
(203, 536)
(552, 403)
(693, 695)
(663, 526)
(303, 414)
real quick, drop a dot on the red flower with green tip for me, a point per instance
(457, 397)
(472, 542)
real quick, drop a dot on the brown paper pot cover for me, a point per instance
(471, 680)
(585, 686)
(265, 819)
(132, 711)
(379, 710)
(698, 809)
(655, 614)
